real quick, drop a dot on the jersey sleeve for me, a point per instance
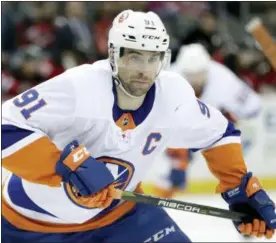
(239, 99)
(199, 126)
(30, 122)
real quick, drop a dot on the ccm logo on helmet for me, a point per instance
(151, 37)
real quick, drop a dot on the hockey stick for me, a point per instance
(182, 206)
(257, 29)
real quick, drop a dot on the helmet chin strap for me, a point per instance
(120, 85)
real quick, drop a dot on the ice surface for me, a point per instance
(202, 228)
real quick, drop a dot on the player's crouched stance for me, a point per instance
(58, 192)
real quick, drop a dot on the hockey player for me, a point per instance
(216, 85)
(76, 141)
(207, 77)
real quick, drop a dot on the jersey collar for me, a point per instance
(141, 113)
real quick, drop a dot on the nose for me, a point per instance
(142, 75)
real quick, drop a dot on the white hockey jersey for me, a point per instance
(225, 91)
(81, 104)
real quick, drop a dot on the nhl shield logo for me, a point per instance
(125, 121)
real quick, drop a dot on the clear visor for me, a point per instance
(140, 64)
(138, 70)
(142, 61)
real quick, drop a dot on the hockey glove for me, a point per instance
(250, 198)
(178, 178)
(87, 175)
(180, 161)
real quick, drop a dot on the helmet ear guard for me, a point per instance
(113, 54)
(167, 60)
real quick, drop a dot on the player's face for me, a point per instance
(138, 70)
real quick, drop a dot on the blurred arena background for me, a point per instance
(42, 39)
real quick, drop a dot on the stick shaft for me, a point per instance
(257, 29)
(182, 206)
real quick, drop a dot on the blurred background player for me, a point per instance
(216, 85)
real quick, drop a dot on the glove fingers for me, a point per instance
(245, 229)
(256, 226)
(269, 233)
(111, 194)
(241, 228)
(248, 229)
(94, 199)
(262, 227)
(116, 193)
(107, 202)
(103, 195)
(103, 198)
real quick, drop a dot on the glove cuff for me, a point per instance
(249, 191)
(249, 186)
(63, 171)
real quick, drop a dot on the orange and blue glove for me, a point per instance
(250, 198)
(90, 179)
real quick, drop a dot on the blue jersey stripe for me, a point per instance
(19, 197)
(12, 134)
(231, 131)
(141, 113)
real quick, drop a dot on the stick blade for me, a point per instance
(253, 24)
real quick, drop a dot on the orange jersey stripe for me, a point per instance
(226, 162)
(35, 162)
(126, 122)
(25, 223)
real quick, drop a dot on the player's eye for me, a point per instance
(154, 59)
(134, 58)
